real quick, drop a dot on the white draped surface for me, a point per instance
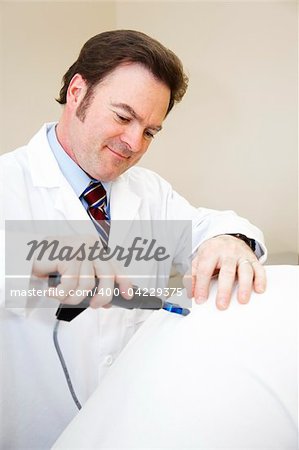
(211, 380)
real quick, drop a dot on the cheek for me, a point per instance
(96, 130)
(146, 146)
(137, 156)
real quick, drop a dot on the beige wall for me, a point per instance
(39, 41)
(231, 143)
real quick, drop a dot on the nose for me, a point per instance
(133, 137)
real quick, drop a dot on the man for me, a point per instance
(115, 97)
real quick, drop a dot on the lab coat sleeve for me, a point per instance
(2, 268)
(10, 279)
(13, 286)
(166, 204)
(208, 223)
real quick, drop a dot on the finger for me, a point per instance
(105, 288)
(86, 282)
(188, 282)
(260, 278)
(125, 287)
(245, 279)
(202, 274)
(68, 282)
(226, 281)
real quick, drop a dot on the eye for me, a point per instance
(149, 135)
(122, 119)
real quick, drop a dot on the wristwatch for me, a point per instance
(248, 241)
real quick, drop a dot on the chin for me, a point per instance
(106, 178)
(110, 174)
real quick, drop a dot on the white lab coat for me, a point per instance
(35, 404)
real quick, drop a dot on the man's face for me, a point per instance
(127, 109)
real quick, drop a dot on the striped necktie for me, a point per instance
(96, 199)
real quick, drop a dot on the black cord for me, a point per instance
(63, 364)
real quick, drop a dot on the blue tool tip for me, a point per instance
(172, 307)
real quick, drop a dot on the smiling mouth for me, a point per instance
(119, 155)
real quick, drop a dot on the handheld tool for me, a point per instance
(140, 300)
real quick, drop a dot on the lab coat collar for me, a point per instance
(43, 166)
(45, 173)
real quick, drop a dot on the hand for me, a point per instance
(78, 271)
(231, 259)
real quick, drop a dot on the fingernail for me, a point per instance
(199, 300)
(222, 304)
(243, 297)
(260, 289)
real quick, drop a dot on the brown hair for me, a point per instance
(102, 53)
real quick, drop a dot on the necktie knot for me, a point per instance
(95, 195)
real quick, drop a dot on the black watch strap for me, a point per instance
(248, 241)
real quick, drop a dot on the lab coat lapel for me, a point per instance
(45, 173)
(124, 202)
(125, 205)
(68, 204)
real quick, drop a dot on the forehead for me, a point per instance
(135, 85)
(132, 70)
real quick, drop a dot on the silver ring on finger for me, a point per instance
(254, 262)
(246, 261)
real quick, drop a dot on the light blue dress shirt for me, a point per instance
(77, 178)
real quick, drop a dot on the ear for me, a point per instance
(76, 90)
